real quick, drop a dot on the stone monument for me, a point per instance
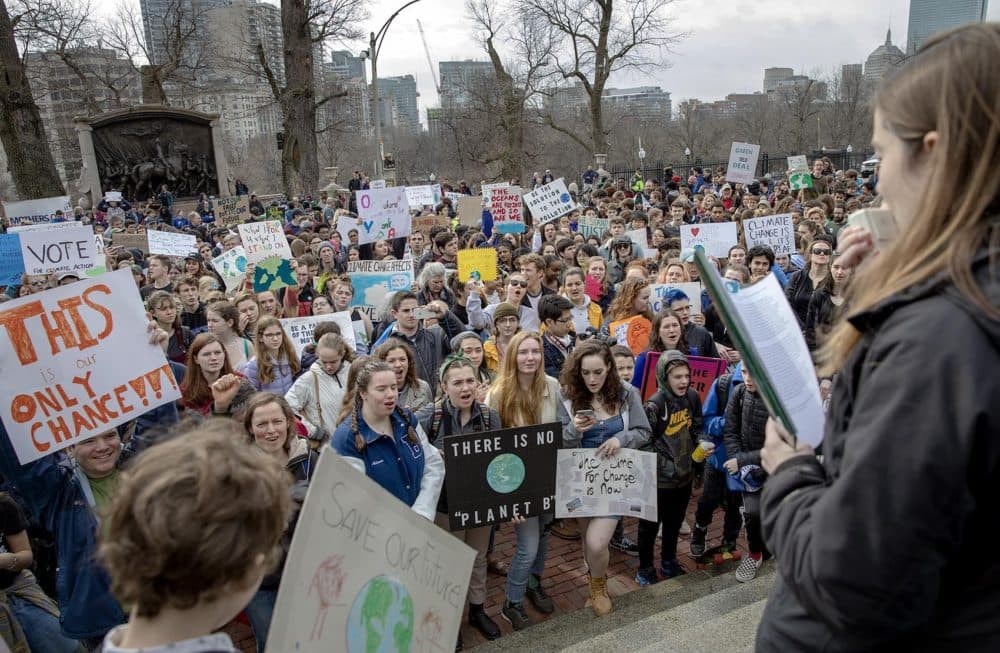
(138, 150)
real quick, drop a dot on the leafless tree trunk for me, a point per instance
(21, 132)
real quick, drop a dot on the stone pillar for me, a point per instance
(89, 185)
(221, 165)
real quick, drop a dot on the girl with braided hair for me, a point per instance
(384, 440)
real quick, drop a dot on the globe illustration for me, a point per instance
(381, 618)
(505, 473)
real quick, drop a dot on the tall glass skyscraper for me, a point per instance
(930, 16)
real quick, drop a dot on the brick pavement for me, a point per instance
(565, 577)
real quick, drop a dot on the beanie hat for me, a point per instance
(668, 360)
(456, 342)
(324, 245)
(504, 310)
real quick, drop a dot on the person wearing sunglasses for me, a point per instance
(803, 283)
(515, 292)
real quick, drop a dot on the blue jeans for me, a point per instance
(259, 612)
(40, 627)
(529, 556)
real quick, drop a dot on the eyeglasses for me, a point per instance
(822, 251)
(519, 284)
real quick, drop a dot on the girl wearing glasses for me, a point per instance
(803, 283)
(275, 365)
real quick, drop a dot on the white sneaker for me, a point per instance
(685, 528)
(747, 570)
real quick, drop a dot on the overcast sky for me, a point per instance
(731, 42)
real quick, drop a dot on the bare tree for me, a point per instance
(846, 116)
(599, 38)
(800, 108)
(305, 23)
(21, 133)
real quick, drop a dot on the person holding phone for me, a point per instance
(880, 545)
(607, 415)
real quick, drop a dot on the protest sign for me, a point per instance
(650, 384)
(590, 486)
(470, 210)
(775, 231)
(742, 167)
(479, 264)
(11, 260)
(486, 190)
(800, 179)
(454, 197)
(384, 213)
(366, 573)
(592, 226)
(262, 240)
(300, 329)
(506, 208)
(549, 202)
(171, 244)
(425, 223)
(113, 196)
(62, 352)
(273, 273)
(376, 281)
(231, 211)
(131, 241)
(54, 251)
(704, 372)
(377, 184)
(641, 238)
(100, 260)
(232, 267)
(632, 333)
(715, 237)
(38, 210)
(420, 196)
(345, 225)
(42, 226)
(798, 162)
(658, 295)
(501, 474)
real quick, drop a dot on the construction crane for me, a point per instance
(427, 51)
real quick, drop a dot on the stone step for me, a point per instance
(706, 606)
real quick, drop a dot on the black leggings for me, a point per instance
(671, 505)
(751, 516)
(714, 493)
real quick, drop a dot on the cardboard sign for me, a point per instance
(273, 273)
(376, 281)
(590, 486)
(775, 231)
(640, 238)
(589, 226)
(506, 207)
(230, 211)
(487, 191)
(633, 333)
(37, 211)
(54, 251)
(232, 267)
(421, 196)
(479, 264)
(715, 237)
(423, 223)
(798, 162)
(658, 295)
(171, 244)
(742, 168)
(704, 372)
(300, 329)
(800, 180)
(77, 362)
(262, 240)
(549, 202)
(131, 241)
(366, 573)
(495, 476)
(384, 213)
(470, 210)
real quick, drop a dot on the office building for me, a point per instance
(927, 17)
(344, 65)
(398, 103)
(883, 59)
(644, 102)
(460, 79)
(160, 16)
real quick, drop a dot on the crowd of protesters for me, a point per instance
(901, 499)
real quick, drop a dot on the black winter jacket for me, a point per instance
(884, 547)
(746, 417)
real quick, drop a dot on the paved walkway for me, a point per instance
(565, 577)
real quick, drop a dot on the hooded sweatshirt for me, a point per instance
(677, 426)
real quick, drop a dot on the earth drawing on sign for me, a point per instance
(505, 473)
(272, 273)
(381, 618)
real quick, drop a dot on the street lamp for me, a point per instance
(374, 46)
(849, 148)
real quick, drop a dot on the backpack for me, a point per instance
(439, 413)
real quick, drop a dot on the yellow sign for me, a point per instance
(479, 264)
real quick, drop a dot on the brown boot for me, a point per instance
(565, 529)
(599, 599)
